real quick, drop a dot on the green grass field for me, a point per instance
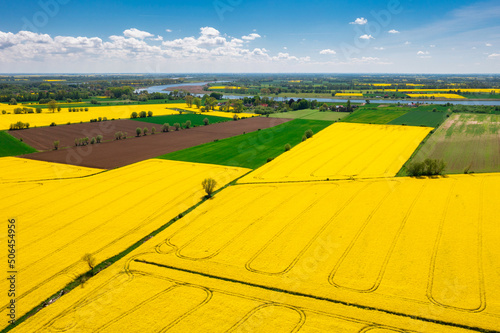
(311, 115)
(196, 119)
(250, 150)
(10, 146)
(420, 118)
(371, 115)
(465, 142)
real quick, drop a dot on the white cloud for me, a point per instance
(360, 21)
(474, 48)
(285, 48)
(250, 37)
(423, 53)
(168, 30)
(494, 56)
(489, 44)
(379, 48)
(327, 51)
(393, 31)
(366, 37)
(407, 43)
(209, 46)
(135, 33)
(432, 45)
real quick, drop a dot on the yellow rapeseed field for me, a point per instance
(454, 96)
(344, 150)
(64, 116)
(287, 257)
(59, 221)
(14, 169)
(225, 87)
(183, 106)
(486, 90)
(348, 95)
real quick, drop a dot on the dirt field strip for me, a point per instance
(42, 138)
(59, 221)
(114, 154)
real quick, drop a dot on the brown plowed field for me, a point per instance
(114, 154)
(42, 138)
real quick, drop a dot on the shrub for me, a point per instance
(76, 142)
(153, 130)
(133, 115)
(145, 131)
(150, 113)
(142, 114)
(269, 159)
(56, 145)
(100, 119)
(165, 127)
(38, 110)
(309, 133)
(138, 131)
(177, 126)
(98, 138)
(86, 109)
(105, 119)
(209, 186)
(188, 124)
(288, 147)
(429, 167)
(304, 138)
(52, 124)
(4, 112)
(92, 141)
(205, 121)
(235, 117)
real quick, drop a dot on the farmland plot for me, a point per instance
(414, 247)
(59, 221)
(343, 151)
(466, 142)
(366, 256)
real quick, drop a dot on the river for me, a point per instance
(330, 100)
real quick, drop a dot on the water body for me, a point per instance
(161, 89)
(329, 100)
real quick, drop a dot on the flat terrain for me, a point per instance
(12, 146)
(368, 115)
(252, 149)
(114, 154)
(465, 142)
(196, 119)
(420, 118)
(344, 151)
(104, 214)
(42, 138)
(311, 115)
(377, 256)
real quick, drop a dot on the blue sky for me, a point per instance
(391, 36)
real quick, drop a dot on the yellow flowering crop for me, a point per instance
(349, 95)
(64, 116)
(344, 150)
(455, 96)
(225, 87)
(486, 90)
(59, 221)
(13, 169)
(284, 257)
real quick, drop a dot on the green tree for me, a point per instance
(197, 102)
(209, 185)
(189, 101)
(52, 104)
(205, 121)
(138, 131)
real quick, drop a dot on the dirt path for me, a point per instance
(114, 154)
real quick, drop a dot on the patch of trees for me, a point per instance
(19, 126)
(429, 167)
